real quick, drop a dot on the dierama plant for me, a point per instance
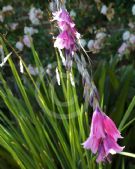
(42, 128)
(103, 133)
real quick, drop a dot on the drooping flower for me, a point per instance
(106, 147)
(103, 137)
(27, 40)
(126, 35)
(122, 48)
(19, 45)
(35, 15)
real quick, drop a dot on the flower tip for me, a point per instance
(85, 145)
(121, 136)
(112, 151)
(122, 148)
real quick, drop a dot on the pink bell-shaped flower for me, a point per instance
(103, 136)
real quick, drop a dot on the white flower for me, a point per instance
(26, 40)
(97, 44)
(90, 44)
(104, 9)
(132, 39)
(126, 35)
(49, 66)
(78, 35)
(1, 17)
(131, 25)
(83, 42)
(7, 8)
(19, 45)
(72, 13)
(122, 48)
(133, 9)
(35, 15)
(100, 35)
(48, 71)
(57, 76)
(13, 26)
(30, 30)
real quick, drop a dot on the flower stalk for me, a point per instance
(103, 133)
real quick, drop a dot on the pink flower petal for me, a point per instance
(91, 143)
(110, 128)
(111, 146)
(101, 153)
(97, 128)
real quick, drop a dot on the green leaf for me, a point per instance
(127, 114)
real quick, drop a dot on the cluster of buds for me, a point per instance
(68, 34)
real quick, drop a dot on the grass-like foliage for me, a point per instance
(43, 125)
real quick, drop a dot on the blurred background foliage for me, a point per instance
(113, 71)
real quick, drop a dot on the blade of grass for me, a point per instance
(127, 114)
